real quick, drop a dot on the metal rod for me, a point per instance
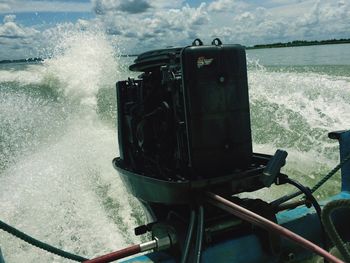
(148, 245)
(129, 251)
(344, 146)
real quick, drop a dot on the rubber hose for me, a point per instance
(123, 253)
(15, 232)
(189, 236)
(199, 238)
(307, 192)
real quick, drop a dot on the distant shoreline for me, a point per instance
(301, 43)
(295, 43)
(24, 60)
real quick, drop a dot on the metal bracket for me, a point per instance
(344, 147)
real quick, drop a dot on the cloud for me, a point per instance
(226, 6)
(140, 25)
(279, 20)
(9, 18)
(157, 23)
(102, 7)
(20, 6)
(9, 29)
(166, 5)
(134, 6)
(4, 7)
(325, 19)
(168, 23)
(17, 37)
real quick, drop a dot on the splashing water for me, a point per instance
(295, 111)
(56, 179)
(83, 66)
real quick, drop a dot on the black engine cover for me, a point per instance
(217, 108)
(187, 116)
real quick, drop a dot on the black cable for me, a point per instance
(286, 198)
(307, 192)
(15, 232)
(199, 238)
(188, 237)
(330, 174)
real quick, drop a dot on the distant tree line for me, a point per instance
(297, 43)
(29, 60)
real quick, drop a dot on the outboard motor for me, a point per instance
(187, 116)
(184, 129)
(184, 124)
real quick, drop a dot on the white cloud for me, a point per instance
(134, 6)
(9, 18)
(14, 36)
(161, 4)
(141, 25)
(236, 21)
(156, 25)
(18, 6)
(325, 19)
(226, 6)
(4, 7)
(9, 29)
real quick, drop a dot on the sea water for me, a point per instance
(58, 138)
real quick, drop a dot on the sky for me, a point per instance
(140, 25)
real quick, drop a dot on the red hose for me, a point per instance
(129, 251)
(269, 225)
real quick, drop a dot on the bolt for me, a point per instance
(291, 256)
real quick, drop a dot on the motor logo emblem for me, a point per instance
(202, 61)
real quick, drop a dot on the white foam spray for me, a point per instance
(295, 111)
(61, 187)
